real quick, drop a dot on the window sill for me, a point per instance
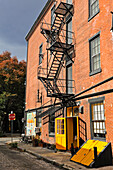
(91, 17)
(95, 72)
(51, 134)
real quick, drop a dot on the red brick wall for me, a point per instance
(83, 31)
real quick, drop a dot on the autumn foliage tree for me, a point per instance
(12, 89)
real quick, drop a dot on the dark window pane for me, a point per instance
(40, 54)
(52, 123)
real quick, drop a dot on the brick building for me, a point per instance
(70, 71)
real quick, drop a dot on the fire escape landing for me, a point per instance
(60, 50)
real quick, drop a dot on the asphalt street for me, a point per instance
(15, 160)
(4, 140)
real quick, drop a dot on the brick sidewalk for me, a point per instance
(61, 159)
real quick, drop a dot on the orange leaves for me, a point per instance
(5, 56)
(11, 68)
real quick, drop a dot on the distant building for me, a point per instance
(70, 72)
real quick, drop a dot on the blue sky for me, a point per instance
(16, 18)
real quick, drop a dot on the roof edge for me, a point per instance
(41, 15)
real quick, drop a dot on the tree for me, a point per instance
(12, 89)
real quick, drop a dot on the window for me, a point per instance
(39, 96)
(72, 111)
(69, 80)
(93, 7)
(60, 126)
(69, 1)
(39, 122)
(52, 14)
(69, 31)
(112, 22)
(69, 37)
(40, 54)
(95, 54)
(98, 120)
(52, 124)
(38, 119)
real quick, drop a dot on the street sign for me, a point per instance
(12, 116)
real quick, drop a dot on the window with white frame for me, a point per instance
(98, 120)
(95, 54)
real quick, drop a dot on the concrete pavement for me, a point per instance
(61, 159)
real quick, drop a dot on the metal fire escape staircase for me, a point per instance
(58, 50)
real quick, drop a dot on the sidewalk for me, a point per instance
(61, 159)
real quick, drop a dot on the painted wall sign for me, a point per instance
(31, 124)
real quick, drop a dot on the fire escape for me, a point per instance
(59, 50)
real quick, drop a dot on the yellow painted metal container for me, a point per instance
(85, 155)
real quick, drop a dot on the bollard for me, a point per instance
(95, 152)
(72, 149)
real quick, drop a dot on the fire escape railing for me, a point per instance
(60, 49)
(61, 83)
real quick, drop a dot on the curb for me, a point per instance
(53, 162)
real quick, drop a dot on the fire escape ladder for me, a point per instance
(56, 64)
(58, 24)
(59, 67)
(59, 50)
(60, 19)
